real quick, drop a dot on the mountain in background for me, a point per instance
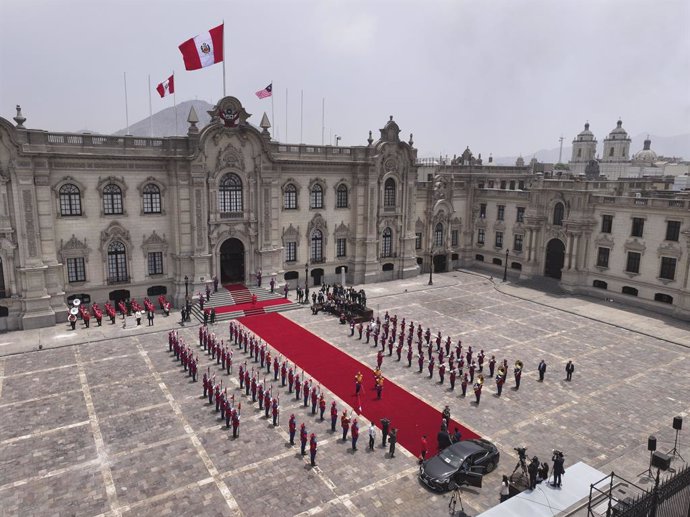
(668, 146)
(164, 120)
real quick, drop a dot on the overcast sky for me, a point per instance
(502, 76)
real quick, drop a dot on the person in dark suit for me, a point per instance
(542, 370)
(558, 470)
(569, 369)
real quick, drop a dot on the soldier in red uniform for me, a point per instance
(291, 380)
(267, 402)
(303, 439)
(322, 406)
(305, 391)
(442, 372)
(334, 416)
(312, 449)
(292, 426)
(453, 374)
(421, 362)
(276, 368)
(379, 359)
(314, 399)
(345, 424)
(463, 384)
(492, 365)
(275, 411)
(261, 396)
(236, 422)
(283, 373)
(205, 384)
(298, 388)
(253, 388)
(241, 375)
(431, 368)
(354, 432)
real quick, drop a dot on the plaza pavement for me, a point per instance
(103, 421)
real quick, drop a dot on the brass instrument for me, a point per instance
(480, 379)
(518, 366)
(501, 373)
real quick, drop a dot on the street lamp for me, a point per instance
(505, 269)
(306, 275)
(186, 287)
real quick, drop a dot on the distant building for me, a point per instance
(114, 217)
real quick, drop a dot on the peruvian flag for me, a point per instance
(203, 50)
(166, 87)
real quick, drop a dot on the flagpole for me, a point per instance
(323, 118)
(273, 117)
(150, 110)
(175, 102)
(126, 106)
(224, 58)
(301, 116)
(286, 115)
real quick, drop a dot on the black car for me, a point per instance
(455, 463)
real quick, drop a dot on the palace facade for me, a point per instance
(105, 217)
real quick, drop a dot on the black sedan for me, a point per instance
(457, 462)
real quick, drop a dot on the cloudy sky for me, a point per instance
(502, 76)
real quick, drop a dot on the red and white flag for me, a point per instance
(266, 92)
(203, 50)
(166, 87)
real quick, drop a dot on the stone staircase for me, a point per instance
(240, 294)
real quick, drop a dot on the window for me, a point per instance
(341, 196)
(316, 246)
(499, 239)
(454, 237)
(152, 199)
(517, 244)
(291, 252)
(389, 193)
(481, 235)
(155, 263)
(230, 194)
(633, 264)
(480, 258)
(117, 262)
(438, 235)
(672, 230)
(341, 247)
(316, 197)
(558, 211)
(600, 284)
(290, 197)
(512, 185)
(501, 212)
(611, 152)
(579, 153)
(497, 261)
(70, 200)
(482, 211)
(637, 227)
(480, 184)
(491, 184)
(629, 290)
(76, 272)
(603, 257)
(668, 268)
(664, 298)
(112, 199)
(520, 214)
(387, 243)
(418, 241)
(503, 184)
(606, 223)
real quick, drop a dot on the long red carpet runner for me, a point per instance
(336, 371)
(249, 308)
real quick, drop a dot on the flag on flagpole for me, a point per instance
(266, 92)
(167, 86)
(203, 50)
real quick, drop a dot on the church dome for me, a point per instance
(618, 132)
(646, 154)
(585, 134)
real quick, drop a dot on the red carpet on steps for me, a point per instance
(336, 371)
(249, 306)
(236, 287)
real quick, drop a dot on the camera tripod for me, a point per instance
(454, 500)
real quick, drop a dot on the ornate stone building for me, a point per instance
(104, 217)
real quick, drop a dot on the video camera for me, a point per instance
(557, 454)
(522, 452)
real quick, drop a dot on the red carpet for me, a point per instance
(235, 287)
(336, 371)
(248, 307)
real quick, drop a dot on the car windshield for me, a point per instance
(448, 456)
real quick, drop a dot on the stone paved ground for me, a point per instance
(110, 425)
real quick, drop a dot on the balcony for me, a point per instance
(118, 280)
(231, 215)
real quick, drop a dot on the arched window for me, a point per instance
(579, 153)
(558, 214)
(70, 200)
(629, 290)
(230, 194)
(117, 263)
(290, 197)
(152, 199)
(438, 235)
(389, 193)
(387, 243)
(316, 196)
(112, 199)
(341, 196)
(664, 298)
(316, 246)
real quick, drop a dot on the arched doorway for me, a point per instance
(232, 261)
(555, 258)
(440, 264)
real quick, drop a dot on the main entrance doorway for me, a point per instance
(555, 257)
(232, 261)
(440, 263)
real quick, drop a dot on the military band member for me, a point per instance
(569, 369)
(492, 365)
(322, 406)
(314, 399)
(500, 380)
(472, 368)
(431, 368)
(478, 387)
(518, 374)
(463, 384)
(421, 363)
(442, 372)
(360, 328)
(354, 432)
(358, 382)
(275, 408)
(409, 357)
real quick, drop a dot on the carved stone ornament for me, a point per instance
(317, 223)
(230, 157)
(115, 231)
(229, 112)
(390, 164)
(669, 249)
(635, 245)
(604, 240)
(290, 234)
(154, 242)
(419, 225)
(342, 231)
(440, 187)
(74, 248)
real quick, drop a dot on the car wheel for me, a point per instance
(490, 467)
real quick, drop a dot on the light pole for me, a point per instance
(306, 275)
(186, 287)
(505, 269)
